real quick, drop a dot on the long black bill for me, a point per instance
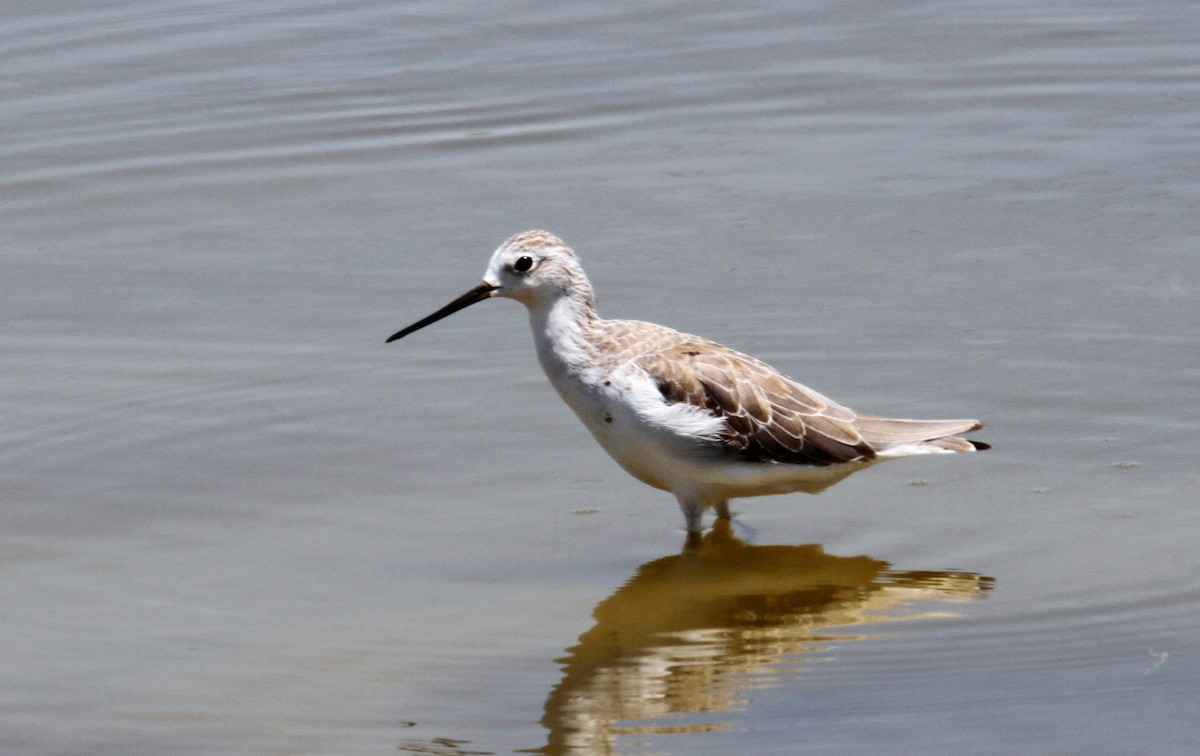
(478, 294)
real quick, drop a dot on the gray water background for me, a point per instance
(232, 520)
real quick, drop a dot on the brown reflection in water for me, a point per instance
(694, 632)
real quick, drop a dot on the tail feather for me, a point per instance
(951, 443)
(917, 436)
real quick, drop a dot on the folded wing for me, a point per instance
(768, 417)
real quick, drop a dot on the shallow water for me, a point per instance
(232, 520)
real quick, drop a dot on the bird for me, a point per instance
(682, 413)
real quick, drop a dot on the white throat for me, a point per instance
(560, 335)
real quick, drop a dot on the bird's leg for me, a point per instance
(693, 512)
(722, 508)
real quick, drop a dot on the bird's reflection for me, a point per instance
(694, 632)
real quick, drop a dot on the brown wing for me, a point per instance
(768, 417)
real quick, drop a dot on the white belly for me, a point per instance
(650, 454)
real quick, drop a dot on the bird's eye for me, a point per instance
(523, 263)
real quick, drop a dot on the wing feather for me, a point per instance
(768, 417)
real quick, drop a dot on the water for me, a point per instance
(232, 520)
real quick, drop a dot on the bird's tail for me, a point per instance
(892, 437)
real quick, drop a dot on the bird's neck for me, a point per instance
(562, 333)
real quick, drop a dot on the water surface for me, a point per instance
(232, 520)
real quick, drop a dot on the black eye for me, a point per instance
(523, 263)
